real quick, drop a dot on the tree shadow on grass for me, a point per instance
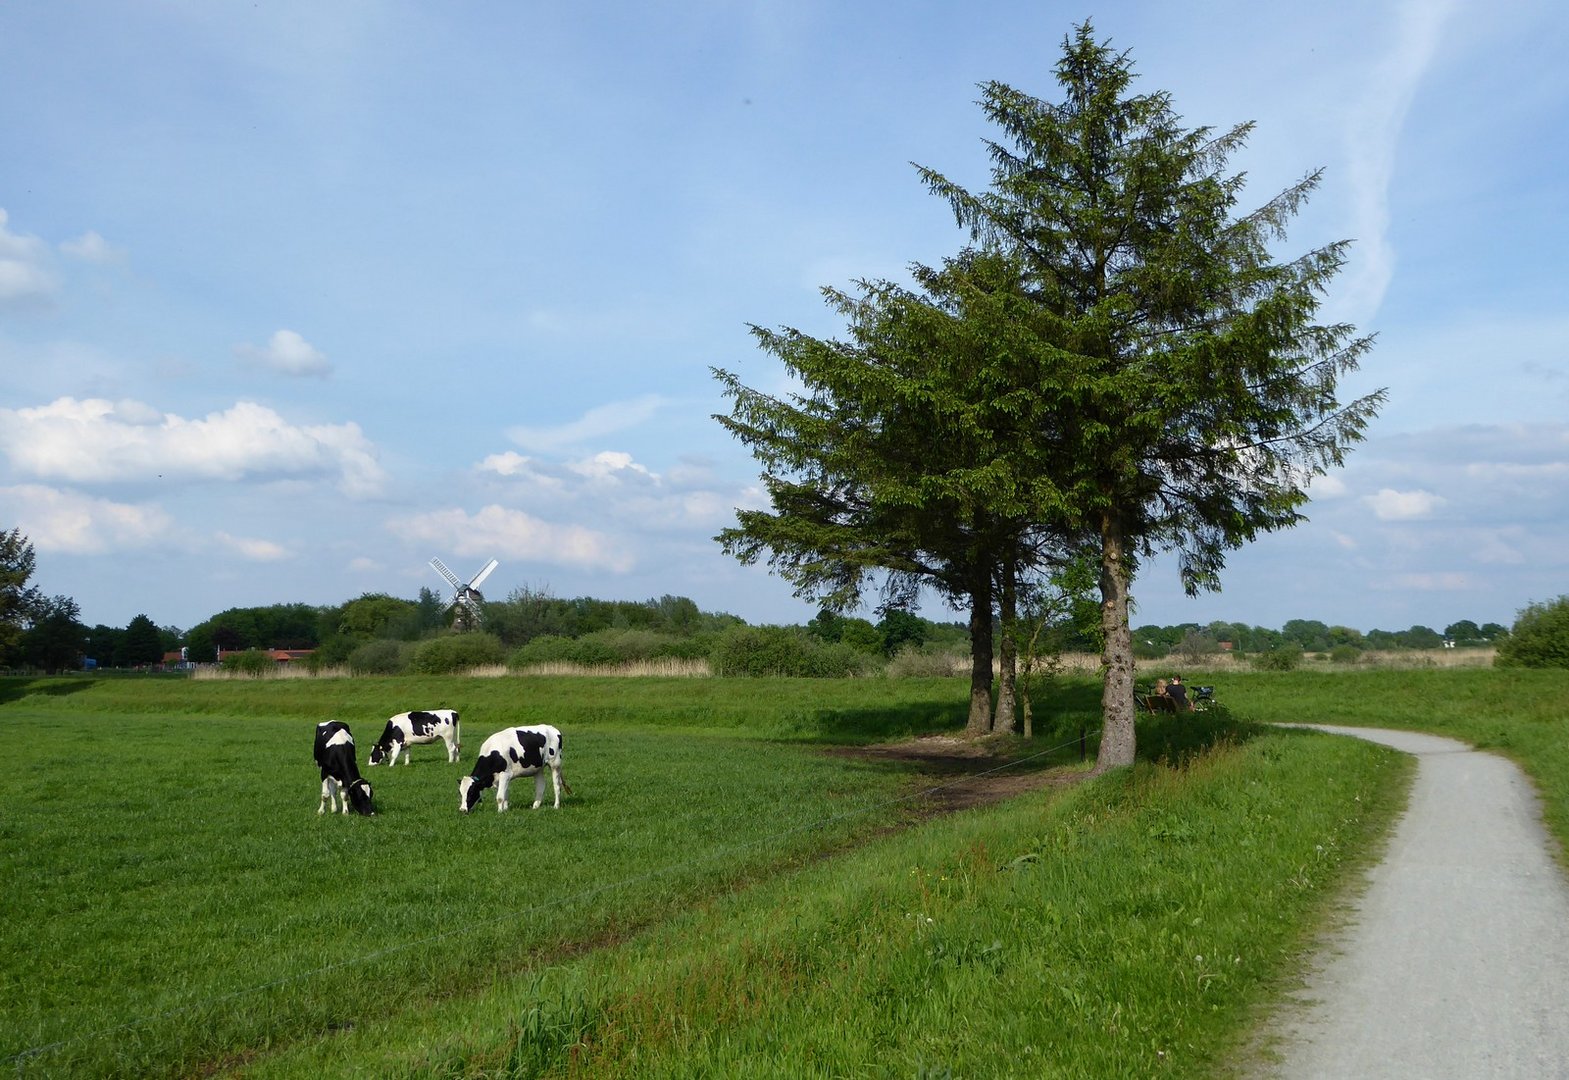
(15, 688)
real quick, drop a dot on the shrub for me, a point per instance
(1345, 654)
(912, 662)
(250, 662)
(453, 653)
(1540, 638)
(603, 648)
(782, 650)
(380, 658)
(1287, 657)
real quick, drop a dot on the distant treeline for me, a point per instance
(532, 626)
(1308, 635)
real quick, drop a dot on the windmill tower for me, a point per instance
(466, 598)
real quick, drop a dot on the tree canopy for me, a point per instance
(1116, 364)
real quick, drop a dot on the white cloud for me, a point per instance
(1438, 581)
(1327, 486)
(499, 532)
(26, 278)
(1392, 505)
(255, 550)
(72, 523)
(94, 441)
(287, 353)
(596, 423)
(90, 247)
(1372, 142)
(611, 466)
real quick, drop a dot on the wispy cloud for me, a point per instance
(595, 424)
(1372, 141)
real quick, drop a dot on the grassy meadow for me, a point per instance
(720, 897)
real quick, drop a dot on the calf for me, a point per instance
(519, 751)
(412, 728)
(339, 773)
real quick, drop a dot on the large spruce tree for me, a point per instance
(1193, 393)
(1117, 363)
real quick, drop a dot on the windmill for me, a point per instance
(466, 599)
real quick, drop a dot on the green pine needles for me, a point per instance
(1115, 364)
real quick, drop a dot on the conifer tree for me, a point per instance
(1192, 392)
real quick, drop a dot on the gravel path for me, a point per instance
(1455, 960)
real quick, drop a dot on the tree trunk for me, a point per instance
(980, 722)
(1117, 740)
(1007, 692)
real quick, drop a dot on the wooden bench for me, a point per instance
(1152, 702)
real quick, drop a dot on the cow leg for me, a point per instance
(539, 788)
(321, 808)
(501, 792)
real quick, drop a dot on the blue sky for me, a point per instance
(295, 296)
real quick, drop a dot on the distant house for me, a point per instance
(281, 656)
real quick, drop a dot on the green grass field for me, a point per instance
(718, 898)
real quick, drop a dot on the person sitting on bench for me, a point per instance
(1178, 694)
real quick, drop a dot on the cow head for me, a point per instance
(378, 753)
(469, 790)
(360, 798)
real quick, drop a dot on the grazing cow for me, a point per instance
(339, 774)
(519, 751)
(412, 728)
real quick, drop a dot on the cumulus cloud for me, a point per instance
(72, 523)
(95, 441)
(26, 277)
(1392, 505)
(286, 353)
(595, 424)
(90, 247)
(500, 532)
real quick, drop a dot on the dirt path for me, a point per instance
(960, 773)
(1455, 960)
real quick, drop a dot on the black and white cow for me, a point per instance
(412, 728)
(518, 751)
(339, 774)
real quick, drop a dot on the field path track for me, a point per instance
(1454, 962)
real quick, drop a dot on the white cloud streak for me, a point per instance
(595, 424)
(1372, 141)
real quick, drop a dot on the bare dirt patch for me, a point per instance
(964, 773)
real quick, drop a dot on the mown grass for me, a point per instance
(1124, 928)
(1522, 714)
(717, 900)
(176, 901)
